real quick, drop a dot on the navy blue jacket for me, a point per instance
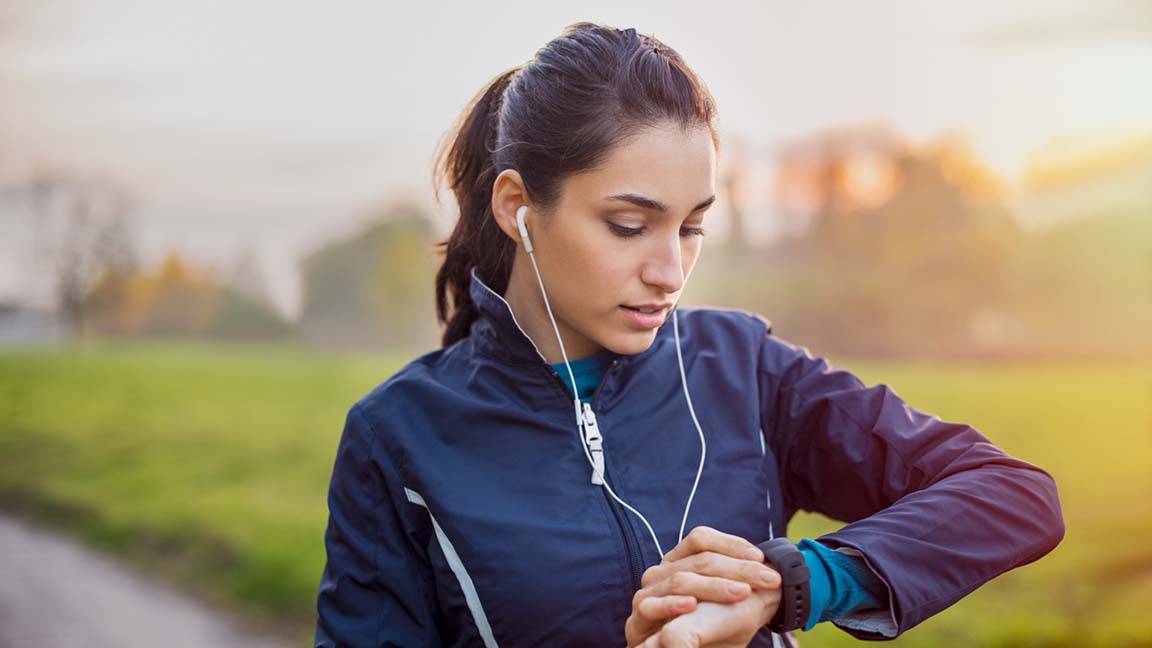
(462, 511)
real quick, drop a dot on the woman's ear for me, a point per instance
(508, 195)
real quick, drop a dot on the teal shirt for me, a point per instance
(840, 584)
(587, 371)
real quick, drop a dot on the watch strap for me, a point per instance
(795, 595)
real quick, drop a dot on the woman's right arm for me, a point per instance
(375, 589)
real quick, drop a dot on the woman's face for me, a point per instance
(625, 236)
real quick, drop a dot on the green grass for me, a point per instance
(207, 463)
(210, 464)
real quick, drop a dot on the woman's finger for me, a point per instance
(699, 586)
(705, 538)
(757, 574)
(658, 609)
(649, 613)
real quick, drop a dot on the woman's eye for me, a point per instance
(625, 232)
(628, 232)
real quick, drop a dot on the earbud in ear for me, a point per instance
(523, 209)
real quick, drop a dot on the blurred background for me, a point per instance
(215, 231)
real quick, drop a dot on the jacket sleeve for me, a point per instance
(375, 589)
(934, 508)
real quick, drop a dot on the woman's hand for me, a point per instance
(718, 625)
(707, 566)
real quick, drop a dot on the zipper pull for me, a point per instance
(595, 443)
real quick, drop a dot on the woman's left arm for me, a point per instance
(934, 508)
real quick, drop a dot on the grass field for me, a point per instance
(209, 465)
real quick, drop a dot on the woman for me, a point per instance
(585, 464)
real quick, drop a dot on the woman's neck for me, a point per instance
(532, 316)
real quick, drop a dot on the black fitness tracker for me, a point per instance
(795, 596)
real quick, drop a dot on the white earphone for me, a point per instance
(523, 229)
(589, 433)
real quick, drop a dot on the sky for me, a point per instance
(267, 128)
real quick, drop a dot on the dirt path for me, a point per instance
(55, 593)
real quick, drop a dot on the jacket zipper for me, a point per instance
(635, 560)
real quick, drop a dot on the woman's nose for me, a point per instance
(664, 267)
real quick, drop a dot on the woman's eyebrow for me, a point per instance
(656, 205)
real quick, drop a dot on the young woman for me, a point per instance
(583, 463)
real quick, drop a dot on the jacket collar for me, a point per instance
(497, 333)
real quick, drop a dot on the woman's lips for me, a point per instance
(643, 320)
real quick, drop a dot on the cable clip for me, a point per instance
(595, 444)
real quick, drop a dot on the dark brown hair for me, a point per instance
(561, 113)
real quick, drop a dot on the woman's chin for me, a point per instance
(631, 342)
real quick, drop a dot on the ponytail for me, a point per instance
(476, 240)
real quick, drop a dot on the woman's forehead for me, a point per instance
(670, 168)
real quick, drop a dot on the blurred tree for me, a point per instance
(179, 300)
(114, 304)
(83, 234)
(908, 275)
(239, 316)
(373, 289)
(244, 307)
(904, 251)
(910, 250)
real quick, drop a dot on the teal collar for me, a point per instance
(587, 372)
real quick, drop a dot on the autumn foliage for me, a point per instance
(177, 299)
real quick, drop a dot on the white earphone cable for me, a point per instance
(580, 417)
(692, 411)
